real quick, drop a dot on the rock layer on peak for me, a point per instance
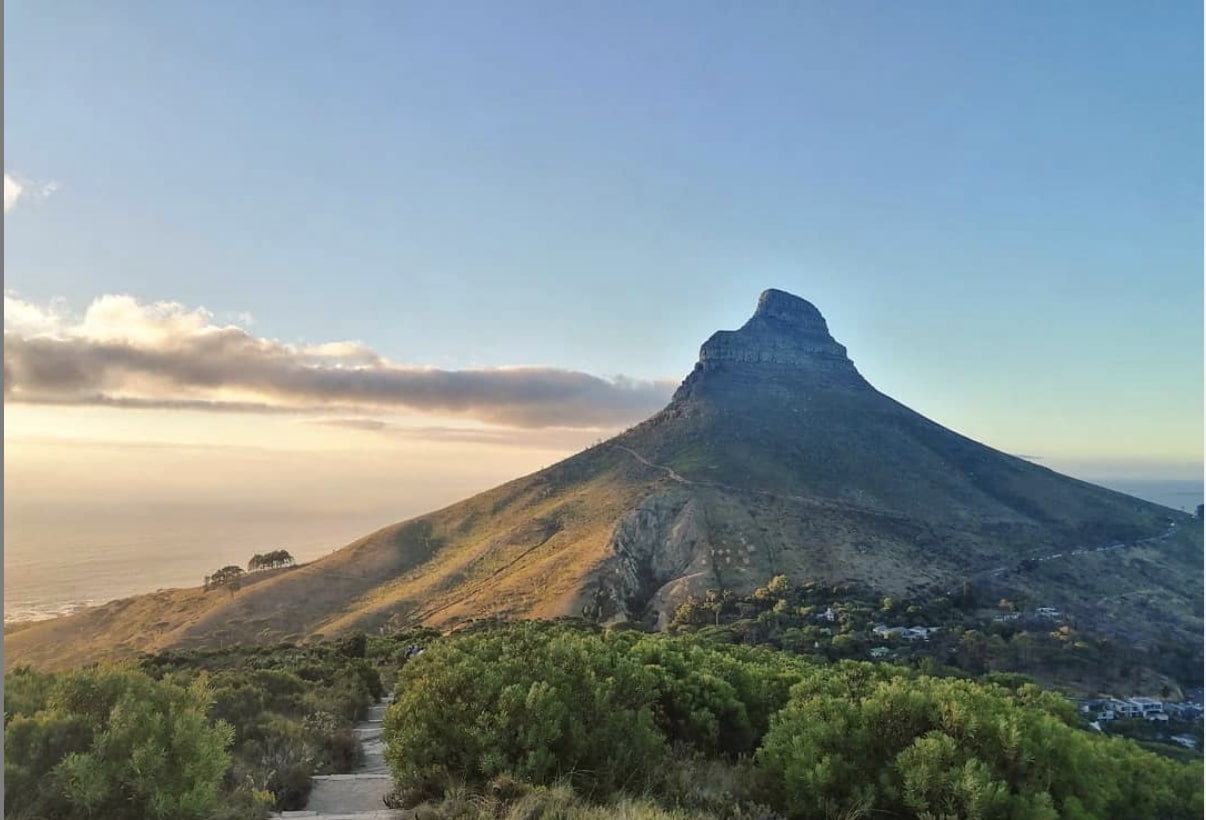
(786, 339)
(785, 329)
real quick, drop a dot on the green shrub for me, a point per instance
(116, 744)
(538, 702)
(860, 738)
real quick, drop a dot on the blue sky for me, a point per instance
(997, 206)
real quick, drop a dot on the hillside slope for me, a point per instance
(774, 456)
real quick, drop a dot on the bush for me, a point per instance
(535, 701)
(116, 744)
(859, 738)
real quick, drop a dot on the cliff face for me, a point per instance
(784, 330)
(786, 337)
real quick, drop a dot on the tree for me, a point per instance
(230, 576)
(692, 612)
(718, 602)
(779, 585)
(272, 560)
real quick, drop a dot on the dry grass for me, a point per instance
(827, 486)
(478, 558)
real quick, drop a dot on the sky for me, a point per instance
(373, 256)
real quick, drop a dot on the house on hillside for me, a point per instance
(1184, 711)
(908, 633)
(1097, 709)
(1148, 704)
(1126, 709)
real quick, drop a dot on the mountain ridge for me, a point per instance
(774, 456)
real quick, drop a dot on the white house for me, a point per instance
(1147, 705)
(909, 633)
(1125, 708)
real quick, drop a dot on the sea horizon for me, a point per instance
(47, 575)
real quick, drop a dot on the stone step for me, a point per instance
(384, 814)
(357, 795)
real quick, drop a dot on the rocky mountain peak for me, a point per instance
(786, 307)
(785, 331)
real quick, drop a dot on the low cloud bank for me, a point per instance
(122, 352)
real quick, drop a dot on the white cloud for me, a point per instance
(12, 192)
(126, 353)
(16, 189)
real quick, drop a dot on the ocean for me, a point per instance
(1178, 494)
(53, 567)
(52, 570)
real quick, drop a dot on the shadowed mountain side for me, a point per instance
(775, 456)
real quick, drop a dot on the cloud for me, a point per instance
(557, 439)
(372, 425)
(12, 192)
(16, 189)
(126, 353)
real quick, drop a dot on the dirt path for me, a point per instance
(812, 502)
(668, 471)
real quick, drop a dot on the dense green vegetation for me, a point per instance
(738, 731)
(223, 733)
(975, 635)
(569, 720)
(110, 743)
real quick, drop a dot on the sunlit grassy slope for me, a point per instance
(774, 457)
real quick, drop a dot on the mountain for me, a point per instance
(775, 456)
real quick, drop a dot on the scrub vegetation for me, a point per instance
(567, 719)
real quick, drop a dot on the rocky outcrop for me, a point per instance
(786, 334)
(658, 543)
(785, 330)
